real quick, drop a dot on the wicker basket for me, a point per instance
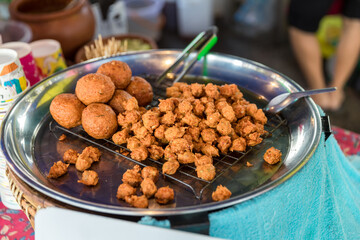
(29, 199)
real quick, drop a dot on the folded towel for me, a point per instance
(321, 201)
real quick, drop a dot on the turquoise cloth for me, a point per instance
(321, 201)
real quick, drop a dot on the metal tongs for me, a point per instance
(202, 43)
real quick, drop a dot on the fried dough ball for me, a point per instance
(224, 127)
(168, 118)
(70, 156)
(173, 92)
(197, 89)
(199, 108)
(170, 167)
(208, 135)
(224, 142)
(148, 140)
(206, 172)
(221, 193)
(121, 137)
(148, 187)
(141, 90)
(83, 163)
(238, 144)
(186, 157)
(239, 110)
(195, 133)
(139, 154)
(209, 150)
(245, 126)
(133, 143)
(58, 169)
(159, 133)
(212, 91)
(119, 100)
(173, 133)
(185, 106)
(94, 88)
(179, 145)
(191, 120)
(131, 104)
(66, 109)
(125, 190)
(228, 113)
(257, 114)
(228, 90)
(213, 119)
(87, 157)
(164, 195)
(151, 120)
(156, 152)
(253, 139)
(169, 155)
(202, 160)
(272, 155)
(137, 202)
(89, 178)
(209, 108)
(150, 172)
(132, 176)
(119, 72)
(99, 120)
(166, 105)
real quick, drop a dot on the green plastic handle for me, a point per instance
(207, 47)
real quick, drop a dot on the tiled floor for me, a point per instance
(277, 56)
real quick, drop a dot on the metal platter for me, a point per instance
(30, 142)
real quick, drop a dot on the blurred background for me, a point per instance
(256, 30)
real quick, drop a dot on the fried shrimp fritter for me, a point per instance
(206, 172)
(221, 193)
(150, 172)
(70, 156)
(170, 167)
(137, 202)
(164, 195)
(125, 190)
(58, 169)
(272, 155)
(148, 187)
(89, 178)
(132, 176)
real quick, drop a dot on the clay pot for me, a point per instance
(71, 22)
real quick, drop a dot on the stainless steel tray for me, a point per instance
(30, 143)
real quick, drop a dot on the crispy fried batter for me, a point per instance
(221, 193)
(170, 167)
(148, 187)
(125, 190)
(70, 156)
(58, 169)
(272, 155)
(150, 172)
(89, 178)
(206, 172)
(132, 176)
(164, 195)
(137, 202)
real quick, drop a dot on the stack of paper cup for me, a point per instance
(12, 84)
(27, 60)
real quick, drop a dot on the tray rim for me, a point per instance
(104, 208)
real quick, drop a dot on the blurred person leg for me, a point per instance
(347, 52)
(304, 18)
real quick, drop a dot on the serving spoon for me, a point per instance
(283, 100)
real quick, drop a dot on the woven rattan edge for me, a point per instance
(29, 199)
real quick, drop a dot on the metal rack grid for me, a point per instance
(186, 174)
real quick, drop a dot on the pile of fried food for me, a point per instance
(194, 124)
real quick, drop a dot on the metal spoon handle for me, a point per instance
(312, 92)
